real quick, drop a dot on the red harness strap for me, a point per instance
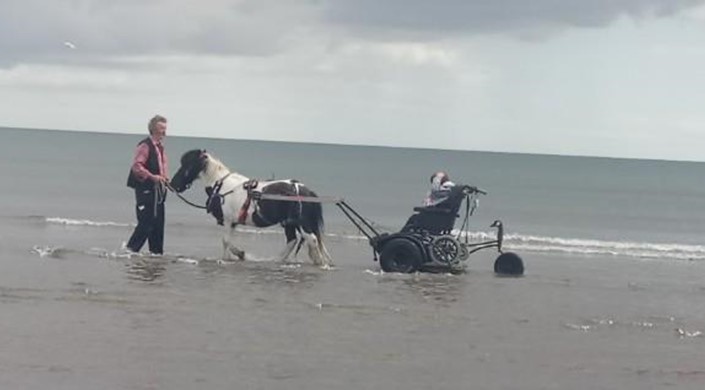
(249, 186)
(242, 215)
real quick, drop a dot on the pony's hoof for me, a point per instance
(234, 252)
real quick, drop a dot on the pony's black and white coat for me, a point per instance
(301, 220)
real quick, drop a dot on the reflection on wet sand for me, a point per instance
(146, 270)
(438, 288)
(283, 274)
(263, 272)
(11, 294)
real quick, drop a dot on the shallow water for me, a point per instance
(86, 317)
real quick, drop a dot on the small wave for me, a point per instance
(512, 242)
(347, 236)
(188, 260)
(84, 222)
(682, 333)
(654, 324)
(48, 251)
(644, 250)
(579, 246)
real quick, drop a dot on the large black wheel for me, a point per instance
(400, 255)
(509, 263)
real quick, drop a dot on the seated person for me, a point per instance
(441, 187)
(440, 197)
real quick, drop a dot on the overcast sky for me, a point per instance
(621, 78)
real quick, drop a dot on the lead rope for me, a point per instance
(184, 199)
(159, 196)
(188, 202)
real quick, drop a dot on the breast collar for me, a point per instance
(214, 203)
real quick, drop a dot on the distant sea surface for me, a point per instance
(612, 295)
(581, 205)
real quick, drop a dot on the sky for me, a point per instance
(615, 78)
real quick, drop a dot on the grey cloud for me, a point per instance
(35, 30)
(434, 17)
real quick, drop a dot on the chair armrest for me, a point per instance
(432, 210)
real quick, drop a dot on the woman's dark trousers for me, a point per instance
(150, 222)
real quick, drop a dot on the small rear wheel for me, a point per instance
(509, 263)
(400, 255)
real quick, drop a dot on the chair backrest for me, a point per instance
(438, 219)
(434, 223)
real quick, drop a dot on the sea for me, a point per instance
(612, 296)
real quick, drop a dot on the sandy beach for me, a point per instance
(76, 319)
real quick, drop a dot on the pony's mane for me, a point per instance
(218, 164)
(215, 169)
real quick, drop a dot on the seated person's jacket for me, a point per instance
(447, 197)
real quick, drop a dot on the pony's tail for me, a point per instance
(317, 214)
(313, 223)
(317, 224)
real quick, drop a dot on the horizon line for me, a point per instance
(361, 145)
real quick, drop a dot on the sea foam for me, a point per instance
(512, 242)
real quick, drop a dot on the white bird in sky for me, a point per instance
(69, 45)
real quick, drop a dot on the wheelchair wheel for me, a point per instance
(400, 255)
(509, 263)
(446, 250)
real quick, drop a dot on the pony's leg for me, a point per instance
(290, 232)
(327, 259)
(230, 250)
(314, 253)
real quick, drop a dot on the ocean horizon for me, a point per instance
(108, 132)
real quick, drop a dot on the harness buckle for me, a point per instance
(250, 184)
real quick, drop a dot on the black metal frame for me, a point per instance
(421, 238)
(359, 221)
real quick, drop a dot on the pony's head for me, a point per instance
(193, 163)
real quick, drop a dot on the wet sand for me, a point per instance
(78, 319)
